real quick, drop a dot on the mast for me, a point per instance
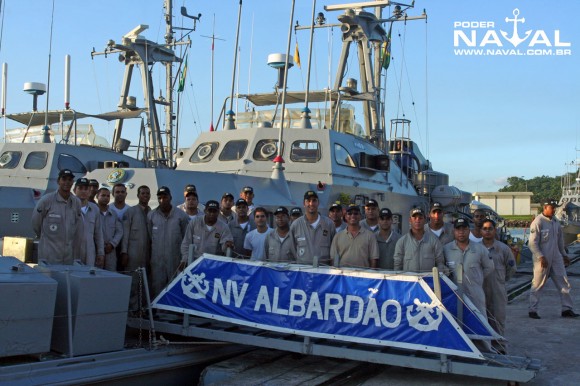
(169, 84)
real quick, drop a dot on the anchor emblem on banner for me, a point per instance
(424, 311)
(194, 282)
(515, 39)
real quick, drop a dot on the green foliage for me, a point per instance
(344, 199)
(543, 187)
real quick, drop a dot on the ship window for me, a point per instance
(266, 150)
(305, 151)
(9, 159)
(342, 156)
(36, 160)
(233, 150)
(204, 152)
(67, 161)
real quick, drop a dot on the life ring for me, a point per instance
(204, 151)
(268, 149)
(5, 159)
(117, 175)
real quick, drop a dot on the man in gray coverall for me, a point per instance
(57, 220)
(166, 225)
(550, 258)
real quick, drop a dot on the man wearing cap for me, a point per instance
(550, 260)
(494, 284)
(247, 193)
(166, 225)
(227, 215)
(112, 229)
(469, 263)
(94, 184)
(355, 246)
(442, 230)
(418, 251)
(58, 223)
(240, 227)
(254, 241)
(312, 233)
(136, 244)
(295, 213)
(371, 221)
(335, 214)
(191, 202)
(387, 238)
(207, 233)
(277, 246)
(93, 247)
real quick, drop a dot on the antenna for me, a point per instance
(195, 18)
(67, 82)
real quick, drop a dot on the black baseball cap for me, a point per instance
(372, 202)
(93, 182)
(241, 201)
(352, 207)
(335, 206)
(551, 202)
(212, 204)
(82, 182)
(310, 194)
(228, 195)
(460, 222)
(296, 212)
(65, 173)
(248, 189)
(416, 211)
(163, 190)
(436, 206)
(281, 210)
(385, 212)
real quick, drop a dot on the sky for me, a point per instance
(478, 118)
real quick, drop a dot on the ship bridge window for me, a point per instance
(67, 161)
(305, 151)
(342, 156)
(36, 160)
(233, 150)
(204, 152)
(266, 150)
(9, 159)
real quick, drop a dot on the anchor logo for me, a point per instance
(194, 282)
(424, 311)
(516, 40)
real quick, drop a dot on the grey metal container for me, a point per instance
(27, 303)
(97, 319)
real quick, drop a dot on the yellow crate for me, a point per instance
(19, 247)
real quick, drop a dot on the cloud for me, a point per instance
(501, 181)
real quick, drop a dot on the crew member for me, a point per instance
(93, 247)
(418, 250)
(387, 238)
(254, 241)
(166, 225)
(190, 205)
(240, 227)
(207, 233)
(478, 217)
(443, 231)
(58, 223)
(335, 214)
(494, 284)
(355, 246)
(371, 221)
(312, 233)
(226, 213)
(550, 260)
(278, 246)
(112, 228)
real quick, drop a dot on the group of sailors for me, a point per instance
(121, 238)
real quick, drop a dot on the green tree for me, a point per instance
(543, 187)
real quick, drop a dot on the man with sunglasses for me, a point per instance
(550, 260)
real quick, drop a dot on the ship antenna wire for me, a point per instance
(235, 57)
(247, 104)
(285, 80)
(427, 89)
(48, 75)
